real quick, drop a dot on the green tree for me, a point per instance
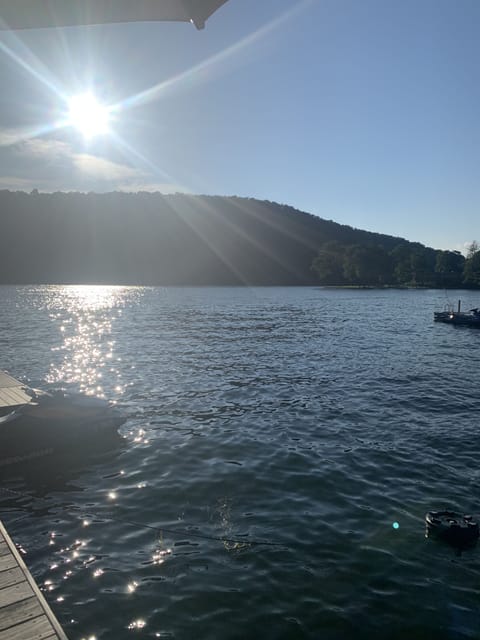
(414, 265)
(365, 265)
(402, 266)
(472, 249)
(328, 265)
(423, 266)
(471, 270)
(449, 267)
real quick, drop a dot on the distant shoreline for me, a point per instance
(353, 287)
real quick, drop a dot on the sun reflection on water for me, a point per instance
(85, 315)
(159, 556)
(93, 297)
(137, 624)
(132, 586)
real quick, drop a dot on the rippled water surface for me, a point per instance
(312, 420)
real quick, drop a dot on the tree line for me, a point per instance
(406, 265)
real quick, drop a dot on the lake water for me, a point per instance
(310, 419)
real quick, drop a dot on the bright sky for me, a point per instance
(366, 113)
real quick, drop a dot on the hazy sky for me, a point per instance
(363, 112)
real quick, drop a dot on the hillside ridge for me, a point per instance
(177, 239)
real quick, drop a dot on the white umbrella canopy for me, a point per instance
(34, 14)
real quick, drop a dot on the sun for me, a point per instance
(88, 115)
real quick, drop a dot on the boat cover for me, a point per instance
(12, 392)
(32, 14)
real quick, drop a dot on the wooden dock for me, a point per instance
(24, 612)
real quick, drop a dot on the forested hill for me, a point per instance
(149, 238)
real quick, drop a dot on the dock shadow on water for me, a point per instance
(52, 464)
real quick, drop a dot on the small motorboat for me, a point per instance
(34, 423)
(469, 318)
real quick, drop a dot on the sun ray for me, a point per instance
(130, 151)
(277, 226)
(199, 71)
(208, 241)
(41, 73)
(252, 240)
(14, 137)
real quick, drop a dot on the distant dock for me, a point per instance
(24, 612)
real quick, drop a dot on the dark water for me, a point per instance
(310, 419)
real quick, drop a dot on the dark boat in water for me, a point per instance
(35, 423)
(469, 318)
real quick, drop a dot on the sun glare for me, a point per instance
(88, 115)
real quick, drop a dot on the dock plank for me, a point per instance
(17, 613)
(10, 577)
(24, 612)
(15, 593)
(36, 629)
(7, 562)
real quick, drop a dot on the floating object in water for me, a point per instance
(458, 530)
